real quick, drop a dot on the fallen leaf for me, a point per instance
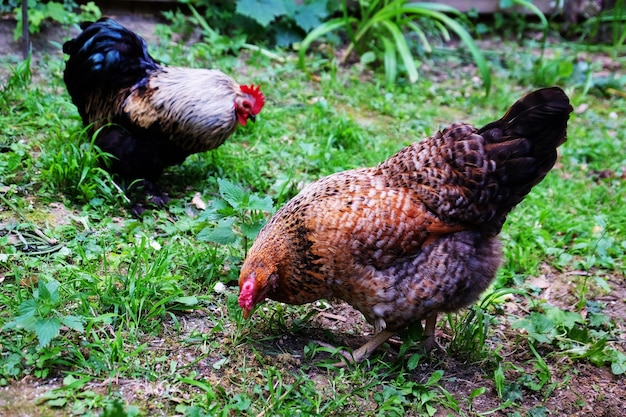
(198, 202)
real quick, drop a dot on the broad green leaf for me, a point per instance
(222, 233)
(262, 204)
(28, 309)
(309, 16)
(57, 402)
(262, 11)
(72, 382)
(413, 361)
(232, 193)
(477, 392)
(403, 50)
(563, 318)
(250, 231)
(48, 290)
(618, 363)
(73, 322)
(46, 330)
(27, 318)
(538, 326)
(368, 57)
(56, 11)
(435, 377)
(188, 300)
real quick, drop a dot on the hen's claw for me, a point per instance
(364, 351)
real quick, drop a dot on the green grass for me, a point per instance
(113, 314)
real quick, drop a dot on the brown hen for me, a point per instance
(414, 236)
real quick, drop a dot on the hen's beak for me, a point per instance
(246, 313)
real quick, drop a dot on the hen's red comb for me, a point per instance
(259, 99)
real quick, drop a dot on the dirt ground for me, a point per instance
(582, 389)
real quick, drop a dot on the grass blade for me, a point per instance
(403, 49)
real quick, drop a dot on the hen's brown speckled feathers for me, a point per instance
(415, 235)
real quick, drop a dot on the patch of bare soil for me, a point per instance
(19, 399)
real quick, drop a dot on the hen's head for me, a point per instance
(255, 281)
(249, 103)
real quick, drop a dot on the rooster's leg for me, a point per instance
(154, 193)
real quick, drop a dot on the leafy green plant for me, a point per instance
(236, 217)
(526, 4)
(576, 336)
(40, 314)
(396, 396)
(217, 41)
(250, 23)
(288, 21)
(62, 13)
(19, 78)
(84, 402)
(7, 6)
(379, 32)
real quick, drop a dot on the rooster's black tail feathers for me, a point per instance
(105, 54)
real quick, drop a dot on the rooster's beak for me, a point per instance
(246, 313)
(252, 117)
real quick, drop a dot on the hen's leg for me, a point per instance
(364, 351)
(429, 334)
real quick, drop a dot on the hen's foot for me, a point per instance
(364, 351)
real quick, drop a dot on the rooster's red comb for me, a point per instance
(255, 92)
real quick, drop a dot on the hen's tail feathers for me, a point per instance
(105, 54)
(523, 143)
